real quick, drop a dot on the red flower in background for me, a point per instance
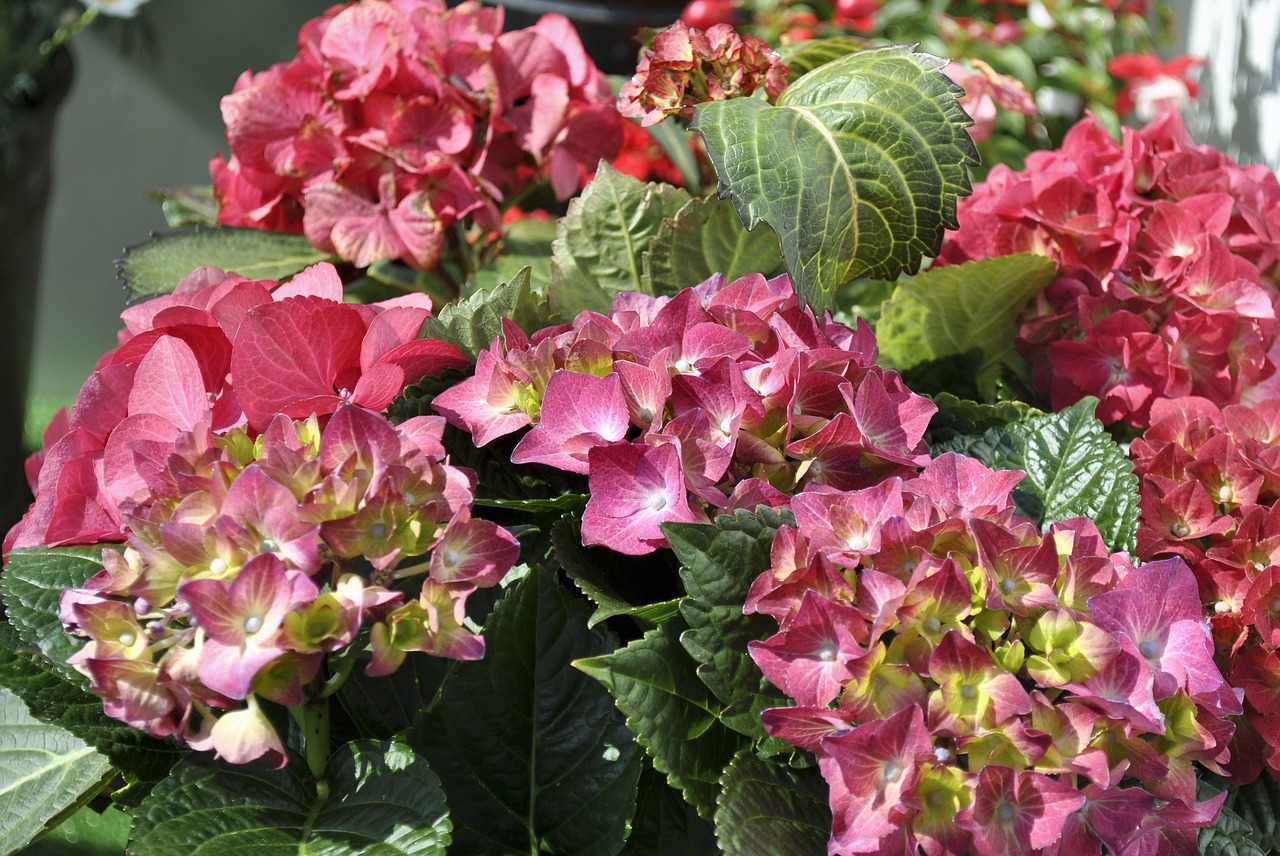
(1152, 85)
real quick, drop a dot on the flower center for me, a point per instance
(253, 624)
(932, 625)
(892, 771)
(1180, 530)
(968, 692)
(826, 652)
(127, 638)
(268, 545)
(683, 365)
(218, 567)
(1224, 493)
(378, 530)
(1004, 813)
(857, 542)
(1148, 648)
(1006, 586)
(657, 501)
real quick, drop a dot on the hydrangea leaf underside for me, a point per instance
(43, 772)
(534, 756)
(951, 309)
(857, 168)
(385, 801)
(157, 265)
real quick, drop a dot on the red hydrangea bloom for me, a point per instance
(1167, 261)
(720, 397)
(687, 66)
(1003, 691)
(1152, 85)
(401, 119)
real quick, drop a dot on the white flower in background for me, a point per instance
(115, 8)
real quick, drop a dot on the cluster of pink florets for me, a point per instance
(724, 396)
(399, 119)
(250, 559)
(1210, 488)
(971, 686)
(1168, 261)
(687, 66)
(219, 352)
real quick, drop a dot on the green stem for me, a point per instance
(339, 677)
(313, 718)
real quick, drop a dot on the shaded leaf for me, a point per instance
(534, 757)
(600, 243)
(86, 833)
(664, 823)
(804, 56)
(639, 587)
(1258, 805)
(952, 309)
(719, 561)
(44, 771)
(385, 706)
(32, 584)
(706, 237)
(385, 801)
(157, 265)
(471, 324)
(857, 168)
(771, 810)
(674, 717)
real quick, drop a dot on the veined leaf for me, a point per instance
(534, 757)
(1258, 805)
(44, 771)
(770, 810)
(616, 584)
(674, 717)
(385, 801)
(32, 584)
(385, 706)
(1074, 468)
(951, 309)
(471, 324)
(85, 833)
(857, 168)
(719, 561)
(157, 265)
(600, 243)
(703, 238)
(803, 57)
(664, 823)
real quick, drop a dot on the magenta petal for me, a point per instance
(575, 406)
(634, 489)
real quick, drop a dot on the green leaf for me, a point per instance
(385, 801)
(1258, 805)
(857, 168)
(32, 584)
(471, 324)
(157, 265)
(616, 584)
(534, 757)
(600, 243)
(85, 833)
(770, 810)
(674, 139)
(664, 823)
(386, 706)
(1075, 469)
(719, 561)
(803, 57)
(703, 238)
(44, 771)
(951, 309)
(674, 717)
(53, 699)
(193, 205)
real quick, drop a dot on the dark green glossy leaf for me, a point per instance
(471, 324)
(639, 587)
(85, 833)
(770, 810)
(600, 243)
(674, 717)
(385, 801)
(857, 168)
(665, 824)
(32, 584)
(533, 755)
(157, 265)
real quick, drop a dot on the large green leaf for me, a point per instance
(719, 561)
(857, 168)
(471, 324)
(1258, 805)
(771, 810)
(674, 717)
(533, 754)
(600, 243)
(44, 771)
(87, 832)
(32, 584)
(157, 265)
(703, 238)
(617, 585)
(1074, 469)
(386, 706)
(665, 824)
(803, 57)
(952, 309)
(384, 801)
(68, 704)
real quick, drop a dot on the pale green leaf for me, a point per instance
(385, 801)
(87, 832)
(157, 265)
(44, 771)
(769, 810)
(470, 325)
(600, 243)
(674, 717)
(857, 168)
(803, 57)
(533, 755)
(952, 309)
(706, 237)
